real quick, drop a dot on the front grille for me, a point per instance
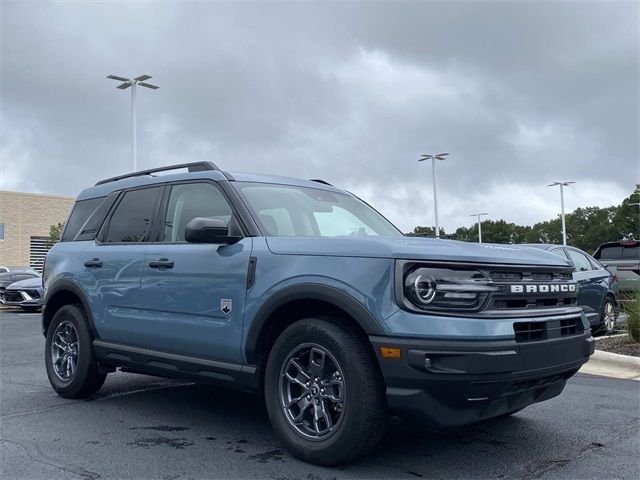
(11, 296)
(523, 276)
(533, 289)
(535, 331)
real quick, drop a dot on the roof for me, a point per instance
(105, 187)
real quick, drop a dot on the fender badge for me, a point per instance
(226, 305)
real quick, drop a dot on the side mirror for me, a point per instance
(208, 230)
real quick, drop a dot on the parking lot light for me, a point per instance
(433, 158)
(564, 227)
(479, 224)
(126, 83)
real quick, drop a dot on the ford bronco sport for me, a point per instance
(303, 292)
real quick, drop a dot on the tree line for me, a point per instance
(587, 227)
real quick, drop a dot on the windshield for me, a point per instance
(291, 211)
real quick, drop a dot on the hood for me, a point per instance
(414, 248)
(34, 283)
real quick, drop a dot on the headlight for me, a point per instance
(442, 289)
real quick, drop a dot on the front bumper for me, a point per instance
(19, 298)
(448, 383)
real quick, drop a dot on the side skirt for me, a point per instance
(171, 365)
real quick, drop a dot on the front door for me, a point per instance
(193, 294)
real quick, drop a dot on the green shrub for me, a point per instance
(632, 309)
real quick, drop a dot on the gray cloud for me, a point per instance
(519, 93)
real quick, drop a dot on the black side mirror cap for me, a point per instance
(208, 230)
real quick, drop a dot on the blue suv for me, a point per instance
(303, 292)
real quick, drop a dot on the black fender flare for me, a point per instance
(306, 291)
(65, 285)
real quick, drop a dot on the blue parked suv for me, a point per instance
(303, 292)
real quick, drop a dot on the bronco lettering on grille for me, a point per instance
(565, 287)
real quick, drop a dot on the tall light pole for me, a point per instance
(433, 159)
(479, 224)
(126, 83)
(562, 185)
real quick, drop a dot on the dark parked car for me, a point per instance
(598, 287)
(15, 275)
(27, 294)
(623, 259)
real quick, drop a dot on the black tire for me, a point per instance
(86, 379)
(362, 416)
(606, 324)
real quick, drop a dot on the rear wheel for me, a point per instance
(608, 316)
(324, 392)
(69, 358)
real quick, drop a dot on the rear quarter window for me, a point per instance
(79, 215)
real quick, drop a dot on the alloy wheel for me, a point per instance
(64, 351)
(609, 316)
(312, 391)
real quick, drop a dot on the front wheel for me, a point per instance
(69, 358)
(324, 392)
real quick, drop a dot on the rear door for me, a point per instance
(113, 264)
(193, 294)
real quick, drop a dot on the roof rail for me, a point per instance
(318, 180)
(192, 167)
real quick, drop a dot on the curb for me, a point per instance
(613, 365)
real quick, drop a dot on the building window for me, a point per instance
(1, 231)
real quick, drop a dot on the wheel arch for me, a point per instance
(65, 292)
(301, 301)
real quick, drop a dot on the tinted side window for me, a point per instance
(132, 218)
(90, 228)
(579, 261)
(192, 200)
(81, 211)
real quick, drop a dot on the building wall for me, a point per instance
(27, 215)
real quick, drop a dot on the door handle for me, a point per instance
(162, 263)
(94, 263)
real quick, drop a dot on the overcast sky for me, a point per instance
(520, 94)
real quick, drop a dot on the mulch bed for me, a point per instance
(624, 345)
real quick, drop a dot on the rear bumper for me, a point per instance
(448, 383)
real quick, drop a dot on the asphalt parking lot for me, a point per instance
(146, 427)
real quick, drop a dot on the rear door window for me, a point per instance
(132, 218)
